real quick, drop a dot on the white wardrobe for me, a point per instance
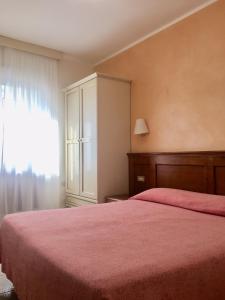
(97, 138)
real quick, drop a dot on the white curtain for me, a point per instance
(29, 132)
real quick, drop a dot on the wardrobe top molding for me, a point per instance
(92, 76)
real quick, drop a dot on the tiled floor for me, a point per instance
(6, 288)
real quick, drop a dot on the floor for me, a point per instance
(6, 288)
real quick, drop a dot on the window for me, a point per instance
(29, 132)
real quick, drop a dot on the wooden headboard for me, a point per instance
(194, 171)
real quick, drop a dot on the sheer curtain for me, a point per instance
(29, 132)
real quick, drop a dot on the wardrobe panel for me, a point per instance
(73, 112)
(88, 124)
(73, 168)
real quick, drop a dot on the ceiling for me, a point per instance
(89, 29)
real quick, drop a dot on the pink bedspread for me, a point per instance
(129, 250)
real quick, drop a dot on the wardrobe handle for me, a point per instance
(85, 140)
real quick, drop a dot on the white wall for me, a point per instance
(72, 70)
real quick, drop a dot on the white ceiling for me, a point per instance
(89, 29)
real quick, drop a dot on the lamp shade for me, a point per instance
(140, 127)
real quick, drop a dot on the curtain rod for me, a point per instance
(28, 47)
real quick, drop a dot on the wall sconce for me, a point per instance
(140, 127)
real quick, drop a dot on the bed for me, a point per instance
(162, 244)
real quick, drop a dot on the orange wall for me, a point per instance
(179, 84)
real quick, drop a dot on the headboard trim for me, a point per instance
(200, 171)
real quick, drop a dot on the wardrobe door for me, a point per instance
(88, 141)
(72, 110)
